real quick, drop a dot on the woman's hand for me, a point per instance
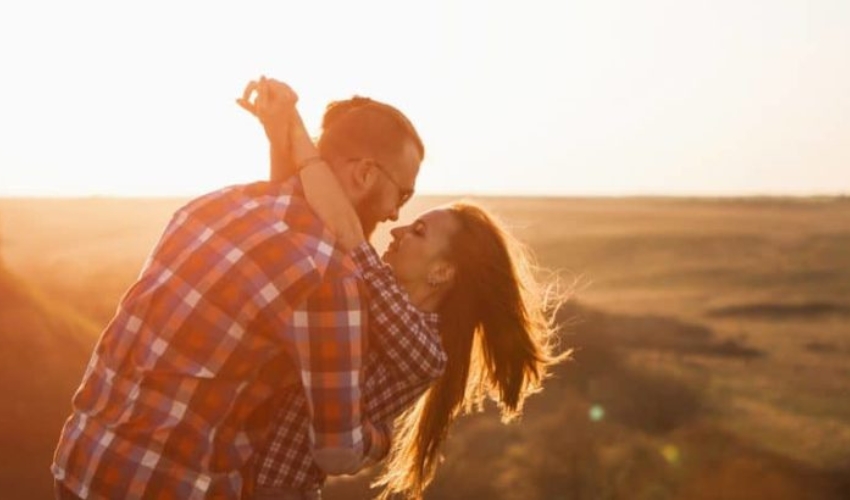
(293, 152)
(273, 105)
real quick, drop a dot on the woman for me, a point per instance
(495, 322)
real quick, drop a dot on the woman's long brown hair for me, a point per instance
(497, 329)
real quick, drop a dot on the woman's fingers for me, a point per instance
(249, 89)
(245, 100)
(282, 91)
(269, 96)
(261, 103)
(247, 106)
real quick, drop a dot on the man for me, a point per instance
(405, 354)
(245, 293)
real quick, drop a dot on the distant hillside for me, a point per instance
(604, 427)
(44, 351)
(711, 343)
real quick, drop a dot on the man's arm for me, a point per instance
(408, 338)
(287, 459)
(386, 394)
(329, 340)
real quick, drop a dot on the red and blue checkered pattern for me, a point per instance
(405, 356)
(245, 293)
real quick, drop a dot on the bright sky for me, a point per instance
(578, 97)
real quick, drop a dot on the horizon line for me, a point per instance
(467, 194)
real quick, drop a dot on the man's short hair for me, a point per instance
(362, 127)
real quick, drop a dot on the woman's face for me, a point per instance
(421, 249)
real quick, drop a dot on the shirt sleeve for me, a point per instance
(329, 340)
(408, 337)
(387, 396)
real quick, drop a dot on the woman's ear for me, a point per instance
(442, 274)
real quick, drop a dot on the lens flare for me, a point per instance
(596, 413)
(671, 454)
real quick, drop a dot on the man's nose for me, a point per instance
(394, 215)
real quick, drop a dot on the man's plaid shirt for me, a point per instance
(405, 356)
(244, 293)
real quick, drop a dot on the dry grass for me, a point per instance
(714, 332)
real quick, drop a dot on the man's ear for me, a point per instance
(364, 175)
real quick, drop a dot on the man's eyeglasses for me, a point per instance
(404, 193)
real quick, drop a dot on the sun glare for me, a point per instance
(539, 98)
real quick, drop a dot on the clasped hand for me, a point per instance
(273, 103)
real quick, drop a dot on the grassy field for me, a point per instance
(713, 335)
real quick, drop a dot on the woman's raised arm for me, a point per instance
(292, 152)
